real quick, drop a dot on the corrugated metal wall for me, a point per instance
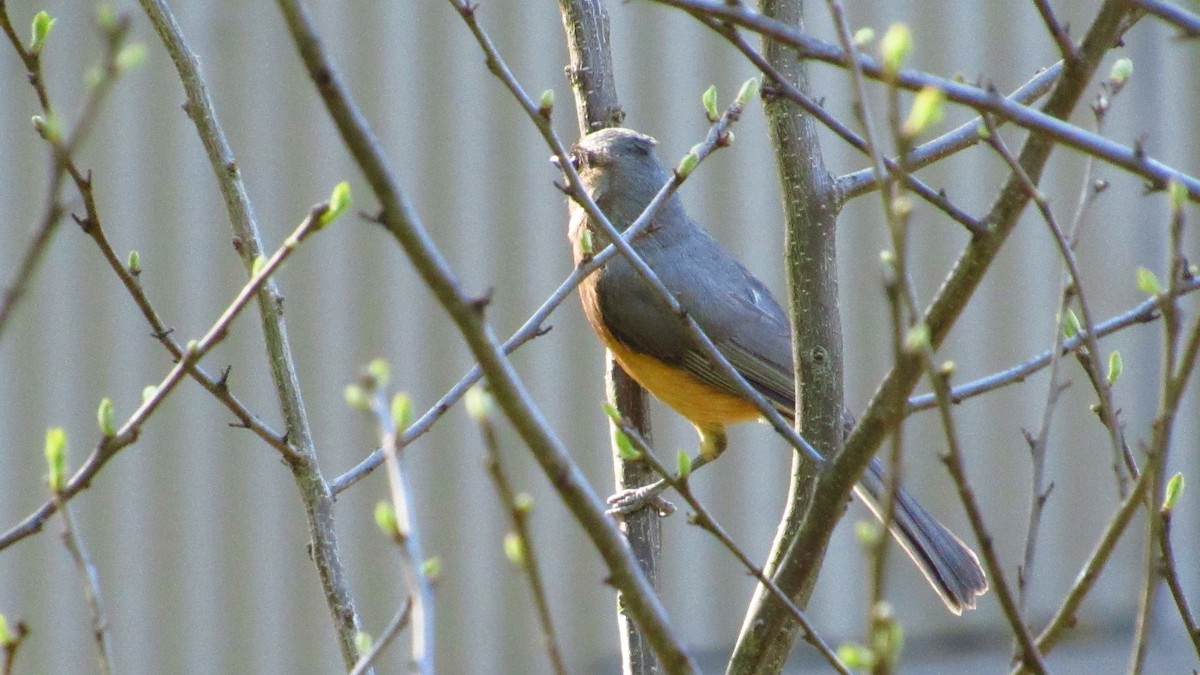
(197, 531)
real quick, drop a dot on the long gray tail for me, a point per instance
(949, 565)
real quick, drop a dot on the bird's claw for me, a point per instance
(633, 499)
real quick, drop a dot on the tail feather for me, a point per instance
(950, 565)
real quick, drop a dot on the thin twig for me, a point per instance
(1057, 30)
(393, 628)
(62, 150)
(1144, 312)
(888, 403)
(128, 433)
(858, 185)
(407, 535)
(1065, 618)
(1091, 355)
(965, 135)
(467, 313)
(17, 633)
(984, 99)
(306, 471)
(704, 520)
(90, 578)
(903, 312)
(1182, 19)
(518, 508)
(1167, 551)
(1030, 655)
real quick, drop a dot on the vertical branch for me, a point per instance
(810, 213)
(597, 106)
(314, 490)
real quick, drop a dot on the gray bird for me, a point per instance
(737, 312)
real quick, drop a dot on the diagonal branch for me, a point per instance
(1046, 123)
(399, 218)
(314, 491)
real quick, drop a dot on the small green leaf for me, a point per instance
(625, 449)
(56, 458)
(130, 56)
(362, 642)
(480, 404)
(432, 568)
(148, 392)
(104, 417)
(106, 17)
(134, 263)
(380, 372)
(42, 23)
(401, 411)
(585, 241)
(612, 412)
(339, 201)
(523, 502)
(748, 91)
(385, 519)
(947, 368)
(895, 47)
(867, 532)
(856, 656)
(259, 264)
(1172, 493)
(709, 99)
(683, 464)
(1121, 70)
(1178, 194)
(917, 338)
(687, 165)
(546, 103)
(928, 108)
(1070, 324)
(6, 637)
(514, 549)
(1147, 282)
(1115, 366)
(864, 36)
(356, 397)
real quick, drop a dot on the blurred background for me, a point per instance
(197, 531)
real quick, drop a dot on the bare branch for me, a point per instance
(73, 540)
(1132, 159)
(314, 491)
(1065, 46)
(964, 136)
(398, 217)
(518, 507)
(703, 519)
(1145, 312)
(1182, 19)
(110, 445)
(393, 628)
(406, 534)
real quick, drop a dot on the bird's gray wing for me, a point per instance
(735, 310)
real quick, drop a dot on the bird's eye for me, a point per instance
(577, 159)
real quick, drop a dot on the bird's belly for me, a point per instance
(700, 403)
